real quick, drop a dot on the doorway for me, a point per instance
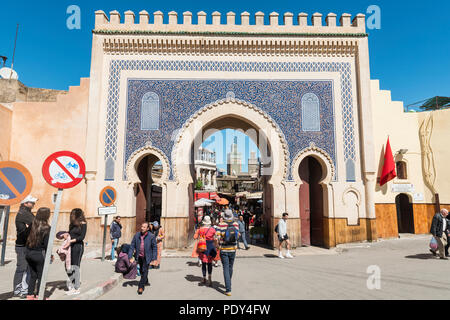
(405, 214)
(311, 202)
(149, 191)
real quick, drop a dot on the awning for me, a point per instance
(222, 201)
(255, 195)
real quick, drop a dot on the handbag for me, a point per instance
(433, 244)
(201, 246)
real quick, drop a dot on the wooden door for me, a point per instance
(305, 223)
(141, 194)
(405, 214)
(316, 202)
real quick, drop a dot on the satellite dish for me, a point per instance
(8, 73)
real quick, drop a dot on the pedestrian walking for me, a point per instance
(24, 220)
(144, 250)
(228, 235)
(438, 230)
(207, 248)
(281, 229)
(246, 219)
(115, 231)
(36, 250)
(158, 232)
(77, 231)
(242, 233)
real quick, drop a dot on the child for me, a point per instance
(64, 253)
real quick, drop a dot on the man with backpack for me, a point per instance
(228, 235)
(281, 230)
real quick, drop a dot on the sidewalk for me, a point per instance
(256, 251)
(96, 276)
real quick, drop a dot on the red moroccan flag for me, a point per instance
(388, 172)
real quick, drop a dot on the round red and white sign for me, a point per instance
(63, 169)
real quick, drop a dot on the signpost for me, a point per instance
(15, 185)
(108, 196)
(62, 170)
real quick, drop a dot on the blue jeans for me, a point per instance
(243, 238)
(113, 248)
(227, 259)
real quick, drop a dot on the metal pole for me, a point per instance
(51, 238)
(104, 237)
(14, 53)
(5, 234)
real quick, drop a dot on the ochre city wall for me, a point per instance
(5, 133)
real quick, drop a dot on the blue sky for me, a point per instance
(410, 54)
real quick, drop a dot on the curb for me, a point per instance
(101, 289)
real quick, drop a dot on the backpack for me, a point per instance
(201, 246)
(231, 235)
(276, 228)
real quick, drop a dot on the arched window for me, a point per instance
(150, 111)
(310, 112)
(401, 170)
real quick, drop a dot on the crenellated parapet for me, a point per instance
(316, 24)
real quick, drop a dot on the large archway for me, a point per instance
(236, 114)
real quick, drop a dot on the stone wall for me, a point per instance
(16, 91)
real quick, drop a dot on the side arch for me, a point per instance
(328, 169)
(138, 155)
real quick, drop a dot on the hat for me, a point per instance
(206, 221)
(155, 224)
(29, 198)
(228, 214)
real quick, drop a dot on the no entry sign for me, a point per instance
(63, 169)
(15, 183)
(108, 196)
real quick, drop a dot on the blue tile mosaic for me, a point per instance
(280, 99)
(117, 66)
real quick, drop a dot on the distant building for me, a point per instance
(253, 165)
(234, 163)
(206, 169)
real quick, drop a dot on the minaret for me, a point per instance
(234, 163)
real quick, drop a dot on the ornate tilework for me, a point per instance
(117, 66)
(280, 99)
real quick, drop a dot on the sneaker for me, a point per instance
(443, 258)
(140, 291)
(70, 292)
(31, 297)
(280, 256)
(288, 255)
(228, 294)
(20, 295)
(433, 252)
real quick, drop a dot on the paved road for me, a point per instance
(407, 271)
